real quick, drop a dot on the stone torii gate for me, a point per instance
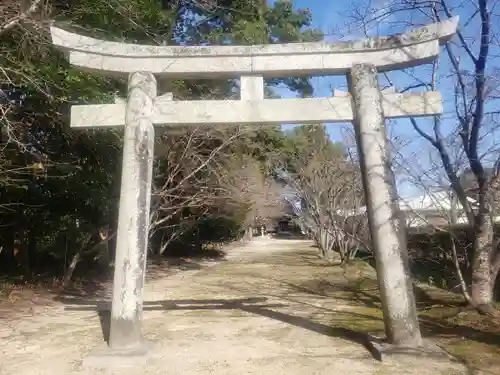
(366, 106)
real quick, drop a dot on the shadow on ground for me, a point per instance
(253, 305)
(334, 301)
(359, 289)
(366, 294)
(158, 267)
(301, 278)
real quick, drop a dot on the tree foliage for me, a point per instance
(59, 188)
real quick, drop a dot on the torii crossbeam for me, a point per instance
(366, 106)
(268, 111)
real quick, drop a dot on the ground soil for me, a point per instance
(272, 307)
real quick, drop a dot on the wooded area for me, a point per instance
(59, 187)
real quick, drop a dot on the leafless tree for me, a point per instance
(331, 195)
(248, 186)
(470, 67)
(188, 176)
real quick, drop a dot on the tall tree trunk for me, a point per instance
(28, 252)
(482, 278)
(71, 269)
(84, 247)
(104, 257)
(483, 274)
(325, 244)
(8, 253)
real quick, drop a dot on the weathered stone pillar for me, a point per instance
(388, 237)
(133, 216)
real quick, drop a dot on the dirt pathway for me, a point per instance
(248, 315)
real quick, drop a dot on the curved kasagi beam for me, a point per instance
(413, 48)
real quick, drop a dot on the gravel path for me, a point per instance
(197, 323)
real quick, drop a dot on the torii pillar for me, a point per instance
(367, 108)
(389, 240)
(133, 215)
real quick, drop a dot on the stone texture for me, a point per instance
(251, 88)
(442, 31)
(252, 63)
(271, 111)
(133, 215)
(385, 90)
(384, 351)
(399, 51)
(388, 240)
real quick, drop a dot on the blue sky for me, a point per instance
(325, 17)
(329, 16)
(415, 156)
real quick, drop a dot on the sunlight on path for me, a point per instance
(238, 316)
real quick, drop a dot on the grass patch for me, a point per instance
(469, 336)
(351, 301)
(365, 320)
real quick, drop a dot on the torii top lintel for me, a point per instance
(415, 47)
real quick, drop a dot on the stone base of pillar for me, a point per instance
(384, 351)
(104, 357)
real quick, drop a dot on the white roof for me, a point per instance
(436, 201)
